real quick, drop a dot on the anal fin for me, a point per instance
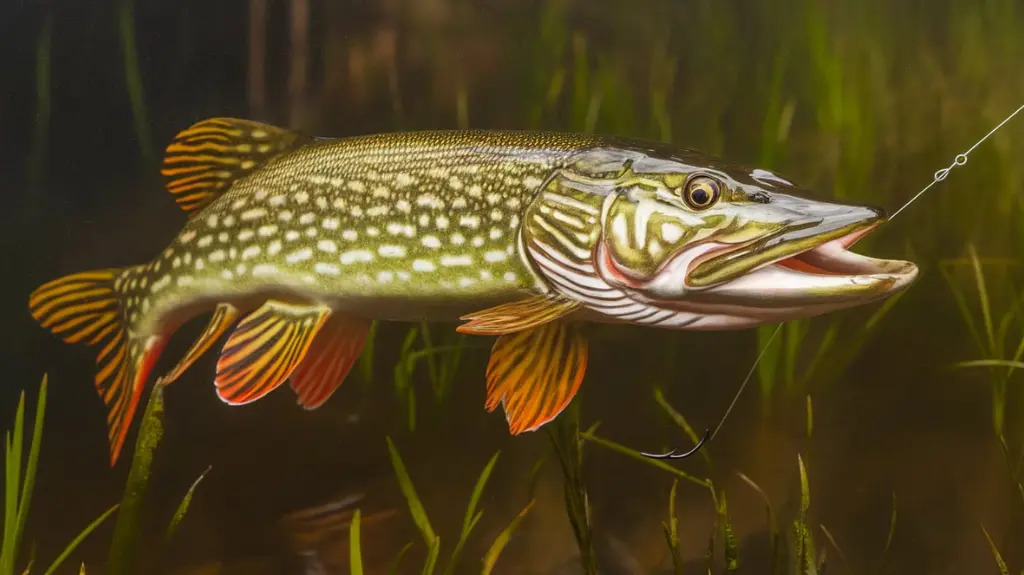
(329, 359)
(535, 373)
(223, 316)
(265, 348)
(518, 315)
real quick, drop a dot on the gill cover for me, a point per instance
(618, 221)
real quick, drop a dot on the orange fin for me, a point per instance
(518, 315)
(535, 373)
(90, 307)
(205, 159)
(329, 359)
(223, 316)
(265, 348)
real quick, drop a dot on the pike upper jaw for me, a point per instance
(812, 270)
(800, 266)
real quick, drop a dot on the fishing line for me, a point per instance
(959, 160)
(939, 176)
(708, 434)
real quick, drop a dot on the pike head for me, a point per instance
(683, 240)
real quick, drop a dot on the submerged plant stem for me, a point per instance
(124, 546)
(43, 98)
(568, 443)
(133, 78)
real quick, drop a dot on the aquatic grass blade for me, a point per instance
(433, 552)
(681, 421)
(793, 338)
(986, 312)
(419, 514)
(892, 531)
(428, 343)
(398, 558)
(824, 346)
(567, 441)
(730, 547)
(11, 496)
(366, 357)
(179, 513)
(41, 131)
(608, 444)
(534, 477)
(1003, 569)
(18, 494)
(810, 417)
(774, 538)
(965, 310)
(472, 516)
(123, 548)
(355, 550)
(671, 531)
(77, 540)
(803, 540)
(33, 457)
(990, 363)
(14, 482)
(832, 540)
(133, 78)
(494, 551)
(18, 489)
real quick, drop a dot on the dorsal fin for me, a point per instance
(206, 158)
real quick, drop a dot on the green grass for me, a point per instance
(19, 481)
(819, 92)
(133, 79)
(568, 445)
(472, 517)
(442, 359)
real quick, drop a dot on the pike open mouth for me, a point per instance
(827, 273)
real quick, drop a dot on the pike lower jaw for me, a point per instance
(810, 279)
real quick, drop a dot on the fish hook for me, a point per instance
(673, 455)
(709, 434)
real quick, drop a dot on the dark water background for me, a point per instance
(861, 98)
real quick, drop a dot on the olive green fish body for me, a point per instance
(296, 244)
(395, 227)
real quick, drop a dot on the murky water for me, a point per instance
(861, 99)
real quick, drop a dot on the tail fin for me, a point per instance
(97, 308)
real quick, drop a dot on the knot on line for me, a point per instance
(960, 160)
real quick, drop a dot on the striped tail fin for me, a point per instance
(97, 308)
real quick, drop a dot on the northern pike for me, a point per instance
(523, 235)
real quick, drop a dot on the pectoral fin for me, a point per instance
(329, 359)
(535, 373)
(518, 315)
(265, 348)
(223, 316)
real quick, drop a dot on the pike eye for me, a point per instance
(702, 192)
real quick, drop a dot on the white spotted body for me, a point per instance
(296, 245)
(397, 227)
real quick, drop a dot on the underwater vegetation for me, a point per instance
(863, 100)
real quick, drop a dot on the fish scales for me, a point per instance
(296, 244)
(414, 216)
